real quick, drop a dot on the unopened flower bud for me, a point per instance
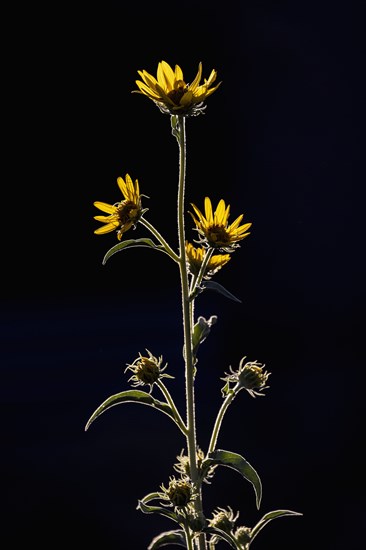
(146, 370)
(179, 492)
(250, 376)
(242, 535)
(224, 519)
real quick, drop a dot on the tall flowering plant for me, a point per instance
(180, 498)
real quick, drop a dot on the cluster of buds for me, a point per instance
(225, 520)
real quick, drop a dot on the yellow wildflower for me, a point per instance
(172, 94)
(195, 258)
(124, 214)
(213, 227)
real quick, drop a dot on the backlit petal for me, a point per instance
(105, 207)
(106, 229)
(178, 73)
(165, 76)
(208, 210)
(197, 79)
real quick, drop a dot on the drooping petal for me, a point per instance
(106, 228)
(105, 219)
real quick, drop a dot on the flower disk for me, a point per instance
(213, 228)
(124, 214)
(172, 94)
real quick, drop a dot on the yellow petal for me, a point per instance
(149, 79)
(211, 78)
(199, 214)
(146, 90)
(197, 79)
(236, 223)
(104, 207)
(220, 212)
(186, 99)
(105, 229)
(165, 76)
(130, 195)
(208, 210)
(105, 219)
(137, 191)
(178, 73)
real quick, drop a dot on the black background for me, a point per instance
(281, 141)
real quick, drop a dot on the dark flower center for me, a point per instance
(147, 371)
(180, 89)
(217, 235)
(128, 212)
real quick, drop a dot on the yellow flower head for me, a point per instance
(195, 258)
(213, 228)
(172, 94)
(124, 214)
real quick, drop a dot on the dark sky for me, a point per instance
(280, 141)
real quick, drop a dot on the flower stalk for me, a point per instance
(220, 415)
(187, 324)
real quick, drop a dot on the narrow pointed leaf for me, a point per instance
(169, 537)
(238, 463)
(213, 285)
(147, 243)
(130, 396)
(269, 517)
(157, 510)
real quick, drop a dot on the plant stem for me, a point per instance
(162, 241)
(164, 390)
(220, 415)
(198, 279)
(187, 328)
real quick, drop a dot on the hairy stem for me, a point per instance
(187, 328)
(220, 415)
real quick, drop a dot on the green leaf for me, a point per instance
(157, 510)
(146, 243)
(238, 463)
(223, 535)
(130, 396)
(212, 285)
(269, 517)
(169, 537)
